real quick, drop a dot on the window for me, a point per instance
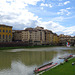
(9, 31)
(3, 36)
(0, 36)
(6, 30)
(3, 30)
(9, 36)
(6, 36)
(0, 30)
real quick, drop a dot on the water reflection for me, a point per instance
(24, 62)
(28, 58)
(17, 68)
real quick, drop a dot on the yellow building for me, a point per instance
(5, 33)
(55, 39)
(48, 36)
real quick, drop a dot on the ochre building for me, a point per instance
(5, 33)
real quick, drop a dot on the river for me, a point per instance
(24, 61)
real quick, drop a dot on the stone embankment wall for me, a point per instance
(13, 44)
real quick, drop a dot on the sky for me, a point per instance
(55, 15)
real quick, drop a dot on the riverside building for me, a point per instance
(5, 33)
(17, 35)
(67, 38)
(48, 37)
(35, 36)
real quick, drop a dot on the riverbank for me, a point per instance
(20, 47)
(66, 69)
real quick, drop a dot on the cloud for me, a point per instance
(60, 18)
(62, 4)
(50, 5)
(15, 13)
(63, 12)
(42, 8)
(42, 4)
(57, 28)
(59, 0)
(32, 2)
(68, 8)
(66, 2)
(69, 30)
(46, 5)
(73, 33)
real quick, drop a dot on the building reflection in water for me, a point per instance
(28, 58)
(24, 62)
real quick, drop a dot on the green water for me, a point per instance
(24, 61)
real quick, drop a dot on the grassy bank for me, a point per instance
(66, 69)
(6, 48)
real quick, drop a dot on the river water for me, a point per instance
(24, 61)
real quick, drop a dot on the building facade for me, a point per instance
(31, 36)
(36, 36)
(5, 33)
(17, 35)
(48, 37)
(66, 38)
(42, 34)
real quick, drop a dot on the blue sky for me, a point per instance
(55, 15)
